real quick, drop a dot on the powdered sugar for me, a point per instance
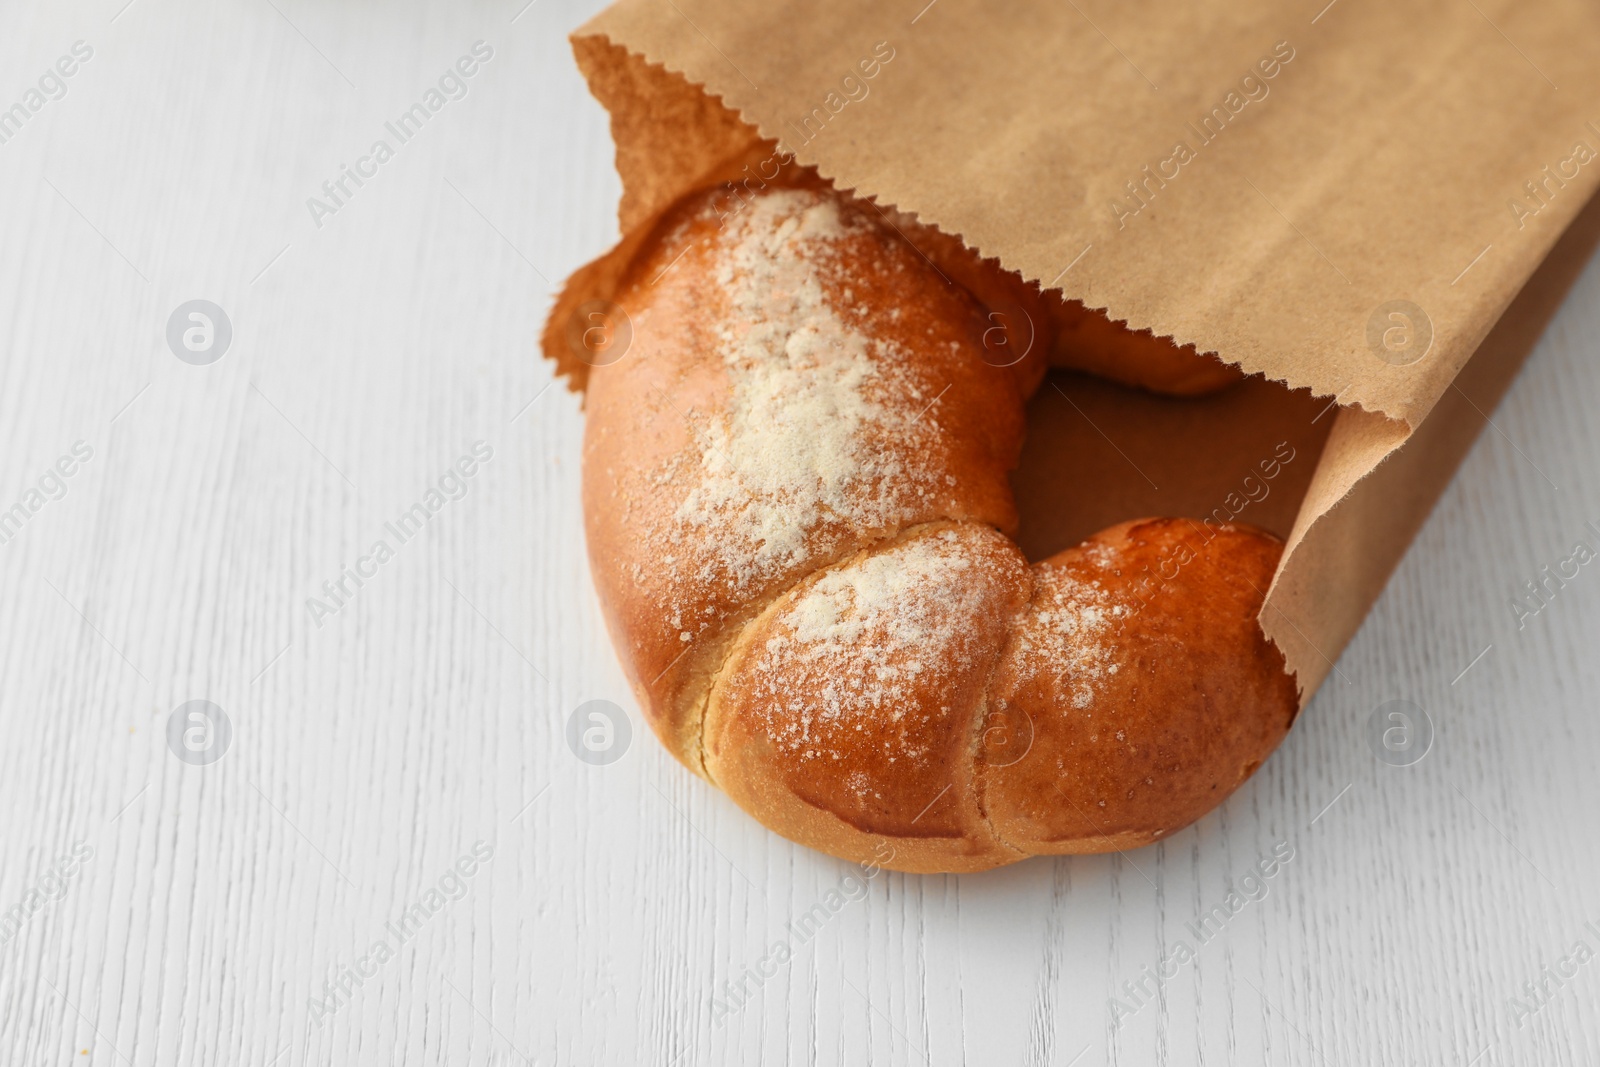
(1065, 635)
(863, 646)
(792, 450)
(884, 596)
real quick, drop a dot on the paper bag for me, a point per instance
(1373, 208)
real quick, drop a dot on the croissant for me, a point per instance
(797, 504)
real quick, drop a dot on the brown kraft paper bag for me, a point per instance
(1373, 208)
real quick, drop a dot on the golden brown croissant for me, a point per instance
(797, 502)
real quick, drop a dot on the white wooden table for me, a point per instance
(155, 910)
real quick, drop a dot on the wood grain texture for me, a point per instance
(371, 752)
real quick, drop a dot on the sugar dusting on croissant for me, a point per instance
(797, 507)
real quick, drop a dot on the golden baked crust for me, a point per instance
(796, 501)
(736, 449)
(847, 715)
(1137, 690)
